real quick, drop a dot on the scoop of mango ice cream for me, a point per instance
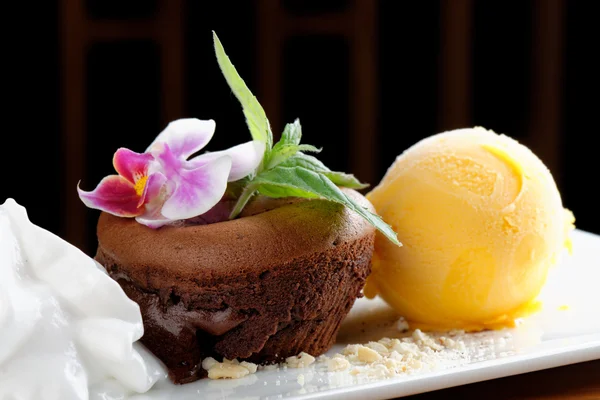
(481, 221)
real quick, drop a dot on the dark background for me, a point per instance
(123, 102)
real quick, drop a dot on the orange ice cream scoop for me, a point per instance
(481, 221)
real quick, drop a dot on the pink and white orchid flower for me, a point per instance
(162, 185)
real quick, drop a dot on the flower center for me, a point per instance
(140, 184)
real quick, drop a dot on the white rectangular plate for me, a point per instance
(565, 331)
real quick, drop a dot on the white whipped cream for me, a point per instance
(67, 330)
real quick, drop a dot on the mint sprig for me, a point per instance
(285, 169)
(301, 182)
(288, 145)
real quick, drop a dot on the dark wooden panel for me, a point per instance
(408, 75)
(316, 90)
(118, 9)
(580, 130)
(315, 7)
(502, 66)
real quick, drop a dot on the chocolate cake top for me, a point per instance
(206, 253)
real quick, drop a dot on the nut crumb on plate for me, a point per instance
(228, 369)
(410, 353)
(300, 361)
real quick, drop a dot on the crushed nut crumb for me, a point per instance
(300, 361)
(228, 369)
(337, 364)
(367, 355)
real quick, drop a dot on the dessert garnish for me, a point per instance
(169, 183)
(162, 185)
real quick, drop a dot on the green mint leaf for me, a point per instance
(277, 191)
(313, 164)
(280, 153)
(287, 146)
(309, 147)
(256, 119)
(292, 133)
(305, 161)
(301, 182)
(345, 180)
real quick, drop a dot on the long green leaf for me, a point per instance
(255, 115)
(299, 181)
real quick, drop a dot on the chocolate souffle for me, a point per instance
(276, 282)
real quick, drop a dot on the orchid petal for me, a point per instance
(156, 192)
(168, 161)
(131, 165)
(153, 189)
(245, 158)
(185, 136)
(198, 190)
(154, 219)
(115, 195)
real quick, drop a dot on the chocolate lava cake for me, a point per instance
(275, 282)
